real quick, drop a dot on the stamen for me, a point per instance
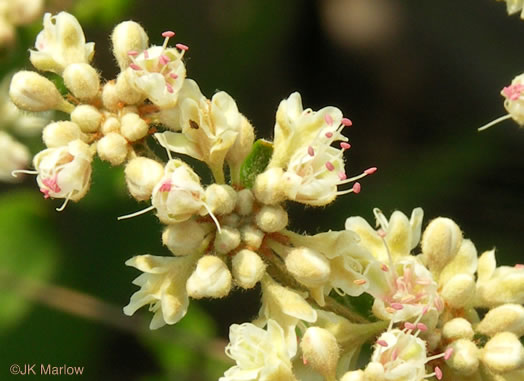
(360, 282)
(397, 306)
(356, 188)
(25, 171)
(409, 326)
(146, 54)
(173, 75)
(168, 34)
(182, 47)
(215, 220)
(448, 353)
(169, 88)
(496, 121)
(329, 135)
(329, 166)
(346, 122)
(422, 327)
(382, 343)
(163, 59)
(134, 66)
(65, 203)
(328, 119)
(370, 171)
(165, 187)
(143, 211)
(345, 145)
(438, 373)
(310, 151)
(342, 176)
(383, 266)
(394, 355)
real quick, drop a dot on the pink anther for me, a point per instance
(409, 326)
(51, 184)
(329, 135)
(448, 353)
(360, 282)
(173, 75)
(384, 267)
(329, 166)
(422, 327)
(370, 171)
(356, 188)
(134, 66)
(425, 310)
(519, 266)
(328, 119)
(146, 54)
(182, 47)
(342, 176)
(165, 187)
(132, 53)
(168, 34)
(382, 343)
(381, 234)
(397, 306)
(163, 59)
(310, 151)
(513, 92)
(345, 145)
(346, 122)
(394, 355)
(438, 373)
(169, 88)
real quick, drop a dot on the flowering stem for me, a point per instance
(333, 305)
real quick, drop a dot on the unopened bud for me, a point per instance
(374, 372)
(128, 36)
(220, 198)
(508, 317)
(309, 267)
(503, 353)
(268, 186)
(61, 133)
(82, 80)
(465, 357)
(440, 243)
(243, 143)
(457, 328)
(111, 124)
(14, 156)
(252, 236)
(32, 92)
(87, 117)
(247, 268)
(113, 148)
(211, 279)
(320, 351)
(133, 127)
(354, 375)
(142, 174)
(226, 240)
(110, 96)
(183, 238)
(459, 291)
(125, 91)
(271, 218)
(245, 201)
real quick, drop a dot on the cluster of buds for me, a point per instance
(233, 233)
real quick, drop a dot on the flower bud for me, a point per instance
(87, 117)
(231, 219)
(459, 291)
(465, 357)
(440, 242)
(211, 279)
(508, 317)
(14, 156)
(221, 198)
(245, 201)
(184, 237)
(226, 240)
(142, 174)
(242, 145)
(32, 92)
(309, 267)
(128, 36)
(112, 148)
(247, 268)
(61, 133)
(110, 96)
(503, 353)
(251, 236)
(320, 351)
(82, 80)
(457, 328)
(353, 375)
(133, 127)
(268, 186)
(111, 124)
(125, 91)
(271, 218)
(374, 372)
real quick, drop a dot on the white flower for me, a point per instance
(313, 168)
(158, 72)
(515, 6)
(260, 354)
(163, 287)
(13, 156)
(64, 172)
(60, 43)
(179, 195)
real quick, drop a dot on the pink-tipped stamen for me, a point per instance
(310, 151)
(342, 176)
(409, 326)
(346, 122)
(163, 59)
(146, 54)
(370, 171)
(329, 135)
(438, 373)
(360, 282)
(329, 166)
(382, 343)
(169, 88)
(383, 266)
(173, 75)
(448, 353)
(397, 306)
(182, 47)
(394, 355)
(132, 53)
(328, 119)
(356, 188)
(345, 145)
(165, 187)
(422, 327)
(168, 34)
(134, 66)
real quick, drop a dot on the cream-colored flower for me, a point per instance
(515, 6)
(287, 307)
(261, 355)
(61, 43)
(163, 287)
(13, 156)
(14, 13)
(64, 172)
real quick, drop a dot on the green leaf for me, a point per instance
(28, 252)
(256, 162)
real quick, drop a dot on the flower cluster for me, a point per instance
(429, 288)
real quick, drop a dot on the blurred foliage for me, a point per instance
(416, 97)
